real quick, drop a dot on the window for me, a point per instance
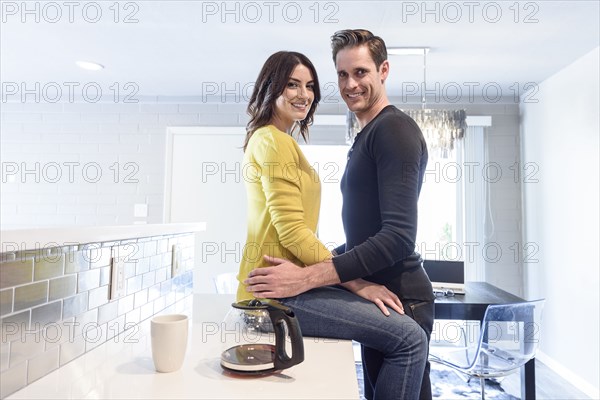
(439, 205)
(439, 209)
(329, 161)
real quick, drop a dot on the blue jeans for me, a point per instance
(334, 312)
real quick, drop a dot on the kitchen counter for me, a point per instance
(122, 367)
(27, 239)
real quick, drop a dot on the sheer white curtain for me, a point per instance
(474, 200)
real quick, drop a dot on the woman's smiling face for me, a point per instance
(295, 101)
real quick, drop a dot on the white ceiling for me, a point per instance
(177, 48)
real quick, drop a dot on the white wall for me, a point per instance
(84, 163)
(52, 154)
(131, 138)
(560, 136)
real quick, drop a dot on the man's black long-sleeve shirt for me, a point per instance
(380, 188)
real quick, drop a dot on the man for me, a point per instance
(380, 188)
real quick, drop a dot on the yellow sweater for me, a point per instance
(284, 196)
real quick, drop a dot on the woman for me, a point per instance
(283, 190)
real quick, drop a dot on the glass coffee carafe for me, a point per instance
(257, 335)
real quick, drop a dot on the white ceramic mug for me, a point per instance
(169, 335)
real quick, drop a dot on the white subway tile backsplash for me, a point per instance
(75, 305)
(43, 364)
(62, 287)
(14, 150)
(132, 148)
(10, 128)
(30, 344)
(119, 128)
(95, 220)
(140, 298)
(100, 117)
(23, 138)
(108, 312)
(30, 295)
(134, 284)
(88, 280)
(219, 119)
(154, 292)
(100, 257)
(21, 117)
(156, 132)
(139, 139)
(96, 199)
(148, 118)
(161, 275)
(62, 117)
(96, 335)
(46, 209)
(43, 315)
(22, 198)
(132, 317)
(198, 108)
(16, 107)
(84, 322)
(79, 209)
(159, 304)
(4, 355)
(82, 107)
(16, 272)
(102, 138)
(14, 325)
(13, 379)
(179, 119)
(147, 310)
(159, 108)
(148, 279)
(79, 148)
(240, 108)
(55, 136)
(38, 188)
(80, 127)
(71, 349)
(6, 301)
(120, 108)
(77, 261)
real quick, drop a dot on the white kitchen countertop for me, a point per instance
(28, 239)
(122, 367)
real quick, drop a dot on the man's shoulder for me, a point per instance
(394, 121)
(392, 114)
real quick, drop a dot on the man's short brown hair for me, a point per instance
(358, 37)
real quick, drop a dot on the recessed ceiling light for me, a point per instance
(90, 66)
(407, 51)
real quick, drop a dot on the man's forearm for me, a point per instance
(321, 274)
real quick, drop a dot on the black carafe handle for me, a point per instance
(279, 318)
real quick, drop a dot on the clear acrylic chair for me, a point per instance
(508, 338)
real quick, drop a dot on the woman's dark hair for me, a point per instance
(270, 84)
(358, 37)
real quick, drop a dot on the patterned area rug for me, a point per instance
(448, 385)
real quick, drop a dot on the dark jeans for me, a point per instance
(333, 312)
(423, 313)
